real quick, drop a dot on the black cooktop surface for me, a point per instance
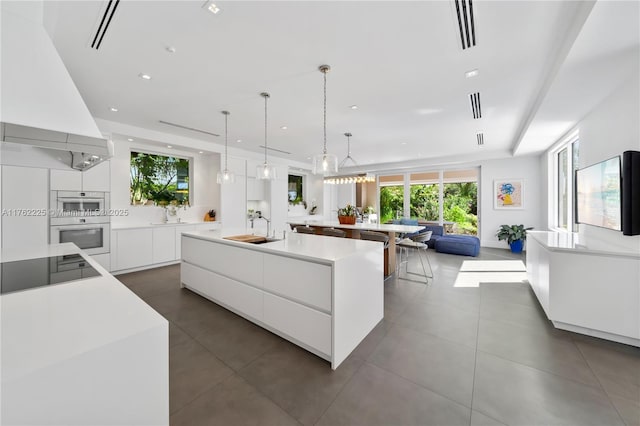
(33, 273)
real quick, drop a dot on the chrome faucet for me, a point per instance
(266, 220)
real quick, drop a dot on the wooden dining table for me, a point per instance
(353, 231)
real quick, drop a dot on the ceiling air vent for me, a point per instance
(104, 23)
(466, 24)
(475, 105)
(480, 137)
(275, 149)
(187, 128)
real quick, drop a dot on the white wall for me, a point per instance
(608, 130)
(490, 219)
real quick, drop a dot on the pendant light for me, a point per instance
(348, 157)
(226, 175)
(325, 163)
(265, 171)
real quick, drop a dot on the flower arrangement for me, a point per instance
(347, 215)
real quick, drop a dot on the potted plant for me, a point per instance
(210, 216)
(515, 236)
(347, 215)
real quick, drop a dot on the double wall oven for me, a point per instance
(81, 218)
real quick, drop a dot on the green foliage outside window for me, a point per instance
(460, 204)
(158, 179)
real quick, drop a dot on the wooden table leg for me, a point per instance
(392, 253)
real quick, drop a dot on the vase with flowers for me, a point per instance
(347, 215)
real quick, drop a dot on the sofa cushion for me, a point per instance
(466, 245)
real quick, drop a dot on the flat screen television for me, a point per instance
(598, 200)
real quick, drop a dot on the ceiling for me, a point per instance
(401, 63)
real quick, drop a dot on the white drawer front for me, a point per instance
(239, 264)
(300, 322)
(234, 294)
(307, 282)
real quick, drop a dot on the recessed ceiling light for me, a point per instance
(130, 140)
(211, 7)
(114, 109)
(403, 143)
(144, 76)
(308, 158)
(354, 107)
(170, 49)
(472, 73)
(238, 140)
(428, 111)
(284, 127)
(169, 146)
(200, 152)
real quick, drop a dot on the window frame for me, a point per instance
(553, 166)
(190, 162)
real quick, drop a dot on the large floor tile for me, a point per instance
(373, 339)
(298, 381)
(175, 300)
(177, 336)
(615, 363)
(444, 321)
(237, 341)
(535, 349)
(520, 293)
(514, 313)
(629, 410)
(192, 371)
(467, 299)
(201, 318)
(232, 402)
(376, 397)
(437, 364)
(152, 281)
(519, 395)
(479, 419)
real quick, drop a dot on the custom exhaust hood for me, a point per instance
(40, 104)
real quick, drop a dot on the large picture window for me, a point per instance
(158, 179)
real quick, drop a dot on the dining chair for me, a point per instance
(332, 232)
(305, 230)
(419, 244)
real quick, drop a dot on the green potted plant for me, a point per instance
(347, 215)
(515, 236)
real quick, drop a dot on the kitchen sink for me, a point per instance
(266, 240)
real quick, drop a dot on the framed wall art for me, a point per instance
(508, 194)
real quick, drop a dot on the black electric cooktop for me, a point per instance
(33, 273)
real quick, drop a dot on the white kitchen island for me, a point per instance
(82, 352)
(324, 294)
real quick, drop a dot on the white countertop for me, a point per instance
(382, 227)
(51, 324)
(570, 242)
(158, 225)
(304, 246)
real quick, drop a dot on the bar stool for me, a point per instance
(332, 232)
(383, 238)
(419, 244)
(305, 230)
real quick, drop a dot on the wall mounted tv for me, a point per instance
(598, 194)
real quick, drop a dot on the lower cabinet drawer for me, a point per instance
(300, 322)
(241, 297)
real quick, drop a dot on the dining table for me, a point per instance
(353, 231)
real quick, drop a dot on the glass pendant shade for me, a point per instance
(324, 164)
(226, 176)
(266, 172)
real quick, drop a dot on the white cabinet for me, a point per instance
(134, 248)
(104, 260)
(164, 244)
(66, 180)
(97, 178)
(255, 189)
(178, 233)
(25, 203)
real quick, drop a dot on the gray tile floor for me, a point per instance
(443, 355)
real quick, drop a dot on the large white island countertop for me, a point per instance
(324, 294)
(571, 242)
(71, 352)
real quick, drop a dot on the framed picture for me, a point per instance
(508, 194)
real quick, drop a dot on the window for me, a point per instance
(424, 196)
(158, 179)
(295, 189)
(563, 164)
(460, 200)
(391, 197)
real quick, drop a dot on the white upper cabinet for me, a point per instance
(255, 189)
(66, 180)
(97, 178)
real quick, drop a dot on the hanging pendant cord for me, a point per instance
(349, 146)
(226, 116)
(265, 129)
(325, 111)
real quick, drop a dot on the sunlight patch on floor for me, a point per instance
(474, 272)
